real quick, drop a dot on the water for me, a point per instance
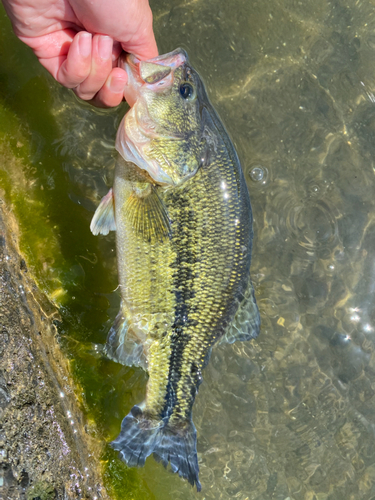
(290, 416)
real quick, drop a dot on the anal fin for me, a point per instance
(123, 347)
(246, 322)
(104, 216)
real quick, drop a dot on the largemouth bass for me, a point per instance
(182, 213)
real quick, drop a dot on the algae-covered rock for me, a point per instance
(44, 450)
(41, 491)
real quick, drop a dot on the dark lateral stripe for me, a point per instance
(174, 377)
(186, 224)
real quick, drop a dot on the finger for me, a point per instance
(101, 67)
(112, 92)
(77, 65)
(143, 44)
(51, 49)
(116, 51)
(51, 45)
(145, 48)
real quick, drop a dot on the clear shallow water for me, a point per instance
(292, 414)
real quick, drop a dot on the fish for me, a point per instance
(182, 215)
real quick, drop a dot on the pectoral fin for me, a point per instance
(246, 322)
(148, 215)
(104, 216)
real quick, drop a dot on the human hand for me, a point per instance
(79, 41)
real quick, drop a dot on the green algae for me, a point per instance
(41, 491)
(54, 234)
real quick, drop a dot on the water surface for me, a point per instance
(290, 416)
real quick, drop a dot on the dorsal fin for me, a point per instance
(104, 216)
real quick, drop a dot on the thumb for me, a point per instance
(143, 45)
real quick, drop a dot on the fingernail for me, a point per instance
(105, 47)
(84, 44)
(117, 84)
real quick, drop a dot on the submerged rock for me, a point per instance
(44, 450)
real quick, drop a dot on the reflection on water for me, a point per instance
(290, 416)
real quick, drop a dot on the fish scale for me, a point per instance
(212, 271)
(183, 218)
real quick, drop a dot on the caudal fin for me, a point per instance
(175, 444)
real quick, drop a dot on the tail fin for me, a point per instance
(175, 444)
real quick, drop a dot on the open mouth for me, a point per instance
(172, 60)
(155, 74)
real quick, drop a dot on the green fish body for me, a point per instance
(182, 213)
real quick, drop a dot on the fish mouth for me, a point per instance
(155, 74)
(173, 59)
(138, 129)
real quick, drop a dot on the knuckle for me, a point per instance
(71, 79)
(106, 100)
(84, 95)
(80, 74)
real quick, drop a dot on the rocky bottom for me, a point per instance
(45, 452)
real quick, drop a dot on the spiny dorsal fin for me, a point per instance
(104, 216)
(148, 215)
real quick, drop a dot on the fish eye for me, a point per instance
(187, 91)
